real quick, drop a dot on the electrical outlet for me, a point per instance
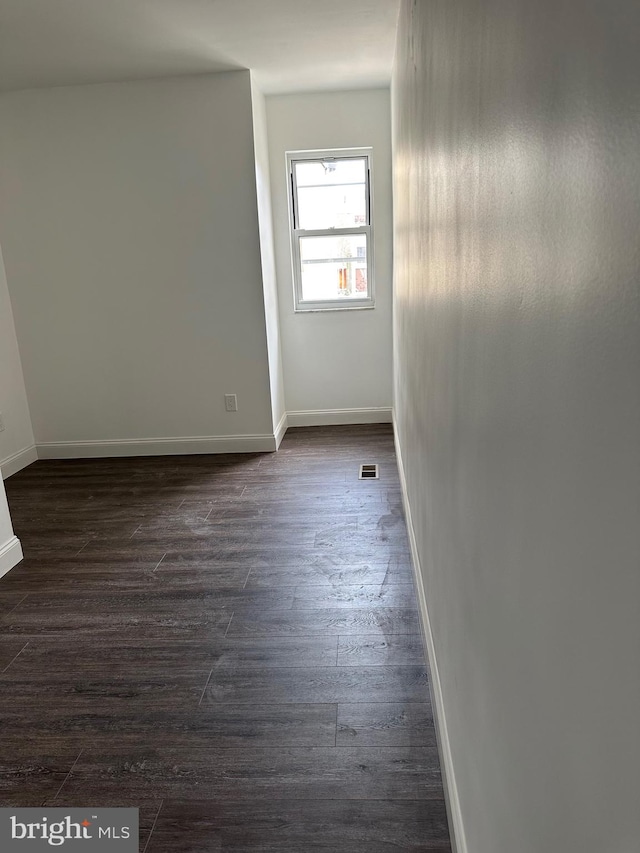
(1, 422)
(231, 402)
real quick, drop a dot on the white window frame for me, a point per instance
(347, 304)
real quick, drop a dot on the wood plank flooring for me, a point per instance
(230, 643)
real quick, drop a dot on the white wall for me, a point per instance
(10, 548)
(6, 530)
(267, 254)
(334, 360)
(16, 441)
(128, 222)
(517, 396)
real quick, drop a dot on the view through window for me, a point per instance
(330, 197)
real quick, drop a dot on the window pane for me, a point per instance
(331, 193)
(311, 173)
(334, 267)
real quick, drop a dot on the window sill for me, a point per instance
(316, 308)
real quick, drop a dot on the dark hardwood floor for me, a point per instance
(230, 643)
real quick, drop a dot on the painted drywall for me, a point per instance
(341, 359)
(16, 440)
(267, 254)
(130, 236)
(12, 395)
(10, 548)
(517, 399)
(6, 529)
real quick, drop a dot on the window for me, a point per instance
(331, 232)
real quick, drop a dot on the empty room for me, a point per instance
(319, 426)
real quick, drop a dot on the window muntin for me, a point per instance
(331, 233)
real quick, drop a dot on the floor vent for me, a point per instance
(368, 472)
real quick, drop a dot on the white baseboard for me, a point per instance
(192, 444)
(17, 461)
(10, 555)
(281, 429)
(456, 826)
(332, 417)
(157, 446)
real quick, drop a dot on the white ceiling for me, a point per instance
(291, 45)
